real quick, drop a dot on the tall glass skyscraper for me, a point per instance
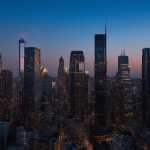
(124, 91)
(0, 62)
(146, 87)
(32, 85)
(22, 44)
(77, 84)
(100, 80)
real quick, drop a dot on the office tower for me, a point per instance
(32, 85)
(146, 87)
(89, 91)
(6, 94)
(45, 80)
(100, 79)
(0, 62)
(77, 84)
(65, 87)
(22, 44)
(1, 107)
(124, 91)
(45, 85)
(60, 78)
(86, 89)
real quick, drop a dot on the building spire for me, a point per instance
(124, 47)
(22, 35)
(61, 53)
(106, 26)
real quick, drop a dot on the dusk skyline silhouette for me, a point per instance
(55, 26)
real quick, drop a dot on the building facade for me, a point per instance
(100, 80)
(77, 84)
(124, 91)
(146, 87)
(0, 62)
(6, 94)
(32, 85)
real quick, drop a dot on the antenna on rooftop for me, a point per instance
(106, 26)
(124, 47)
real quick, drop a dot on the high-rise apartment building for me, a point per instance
(124, 90)
(32, 85)
(60, 77)
(146, 87)
(22, 45)
(100, 79)
(77, 84)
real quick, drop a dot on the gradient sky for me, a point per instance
(65, 25)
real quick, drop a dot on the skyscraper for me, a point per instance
(45, 85)
(0, 62)
(60, 77)
(66, 79)
(146, 87)
(124, 90)
(6, 93)
(32, 85)
(100, 80)
(86, 89)
(1, 104)
(22, 44)
(77, 84)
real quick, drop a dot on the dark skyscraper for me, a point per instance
(0, 62)
(6, 93)
(32, 85)
(124, 90)
(146, 87)
(60, 77)
(100, 79)
(77, 84)
(22, 44)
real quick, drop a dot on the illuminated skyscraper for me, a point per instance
(32, 85)
(22, 44)
(60, 77)
(124, 90)
(100, 80)
(146, 87)
(77, 84)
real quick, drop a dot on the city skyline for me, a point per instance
(73, 28)
(74, 75)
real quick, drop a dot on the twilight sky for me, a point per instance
(65, 25)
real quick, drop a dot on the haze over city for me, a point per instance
(55, 26)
